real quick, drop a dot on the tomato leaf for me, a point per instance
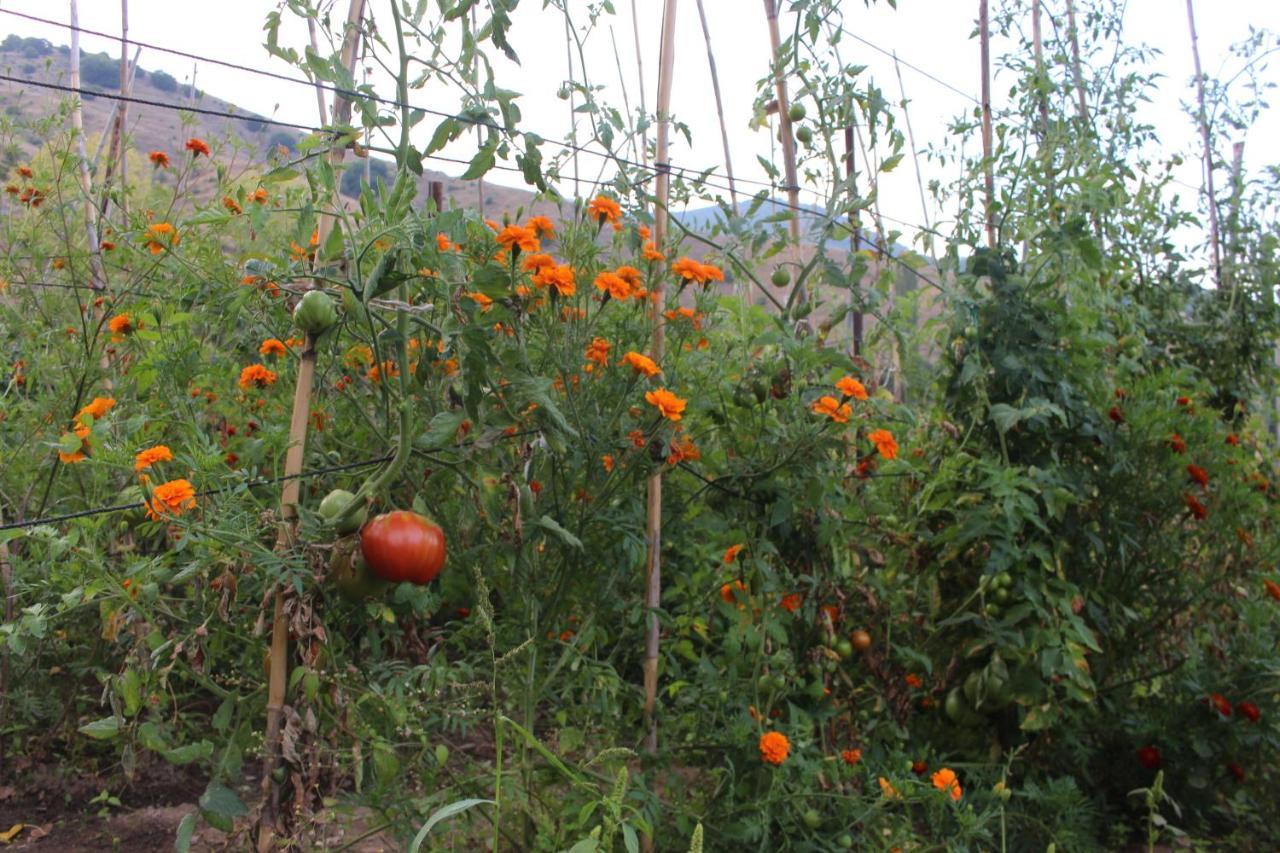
(104, 729)
(549, 523)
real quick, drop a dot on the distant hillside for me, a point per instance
(248, 140)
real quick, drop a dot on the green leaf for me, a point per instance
(891, 163)
(443, 813)
(104, 729)
(198, 751)
(441, 429)
(220, 806)
(565, 536)
(481, 163)
(186, 829)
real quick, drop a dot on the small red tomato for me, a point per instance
(1149, 757)
(403, 546)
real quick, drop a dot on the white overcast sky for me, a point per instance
(932, 34)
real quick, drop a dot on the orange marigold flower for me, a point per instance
(884, 442)
(612, 284)
(231, 204)
(1272, 588)
(197, 147)
(1184, 402)
(1197, 509)
(945, 780)
(272, 346)
(388, 368)
(97, 409)
(651, 253)
(256, 376)
(851, 756)
(516, 237)
(106, 245)
(1233, 439)
(729, 592)
(122, 324)
(850, 387)
(1177, 445)
(80, 454)
(604, 209)
(890, 792)
(259, 196)
(171, 498)
(791, 602)
(668, 405)
(731, 553)
(541, 226)
(1249, 711)
(637, 438)
(682, 449)
(536, 262)
(24, 171)
(774, 747)
(559, 276)
(161, 235)
(598, 352)
(480, 299)
(159, 159)
(1244, 537)
(832, 408)
(1220, 704)
(443, 243)
(630, 275)
(913, 680)
(641, 364)
(607, 462)
(1198, 474)
(146, 458)
(688, 269)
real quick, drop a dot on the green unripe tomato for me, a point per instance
(804, 135)
(844, 648)
(812, 819)
(765, 683)
(780, 278)
(1004, 580)
(992, 609)
(797, 112)
(332, 507)
(1001, 595)
(442, 754)
(955, 706)
(314, 313)
(845, 841)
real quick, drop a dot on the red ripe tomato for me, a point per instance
(403, 546)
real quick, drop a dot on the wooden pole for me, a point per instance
(117, 157)
(653, 525)
(984, 34)
(1037, 43)
(315, 48)
(6, 589)
(291, 491)
(644, 109)
(715, 88)
(855, 242)
(1215, 249)
(784, 118)
(1077, 73)
(97, 273)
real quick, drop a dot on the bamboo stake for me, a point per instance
(653, 526)
(715, 88)
(290, 492)
(1077, 73)
(315, 47)
(573, 107)
(96, 272)
(1203, 118)
(102, 141)
(855, 242)
(119, 116)
(984, 34)
(784, 119)
(644, 109)
(1037, 43)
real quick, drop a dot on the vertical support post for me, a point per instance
(653, 492)
(117, 156)
(97, 273)
(6, 589)
(1211, 197)
(784, 118)
(855, 242)
(984, 34)
(1077, 73)
(715, 89)
(290, 493)
(436, 190)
